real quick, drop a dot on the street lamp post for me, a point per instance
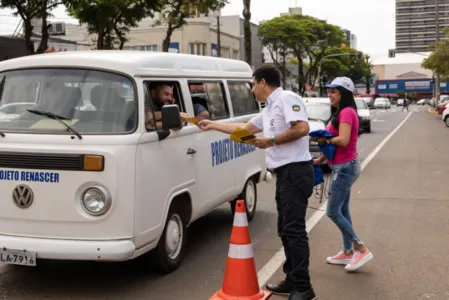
(332, 55)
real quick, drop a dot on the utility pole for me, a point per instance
(437, 35)
(218, 37)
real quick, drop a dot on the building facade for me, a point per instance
(420, 86)
(403, 65)
(234, 25)
(351, 38)
(416, 24)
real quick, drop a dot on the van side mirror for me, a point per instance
(171, 117)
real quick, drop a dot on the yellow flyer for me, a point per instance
(242, 136)
(192, 120)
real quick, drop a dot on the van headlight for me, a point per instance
(96, 200)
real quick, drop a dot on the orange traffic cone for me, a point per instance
(240, 278)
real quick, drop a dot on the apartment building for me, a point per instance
(416, 24)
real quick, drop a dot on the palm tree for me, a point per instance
(247, 30)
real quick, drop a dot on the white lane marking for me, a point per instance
(277, 260)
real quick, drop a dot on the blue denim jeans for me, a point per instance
(343, 177)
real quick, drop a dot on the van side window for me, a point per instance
(211, 96)
(158, 94)
(243, 101)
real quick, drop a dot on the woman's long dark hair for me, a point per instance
(347, 100)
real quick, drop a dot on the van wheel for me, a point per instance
(446, 121)
(170, 249)
(249, 194)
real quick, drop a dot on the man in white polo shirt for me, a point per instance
(284, 123)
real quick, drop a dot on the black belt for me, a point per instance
(299, 163)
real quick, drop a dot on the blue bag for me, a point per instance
(319, 178)
(327, 149)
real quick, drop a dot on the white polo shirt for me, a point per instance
(282, 108)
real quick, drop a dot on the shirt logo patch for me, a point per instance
(271, 122)
(296, 108)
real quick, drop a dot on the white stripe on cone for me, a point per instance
(241, 251)
(240, 219)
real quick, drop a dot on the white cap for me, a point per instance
(344, 82)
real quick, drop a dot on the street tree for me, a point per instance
(308, 39)
(276, 41)
(30, 11)
(284, 35)
(350, 63)
(438, 61)
(175, 12)
(111, 20)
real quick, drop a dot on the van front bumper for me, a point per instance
(116, 250)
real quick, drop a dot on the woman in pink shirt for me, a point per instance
(345, 171)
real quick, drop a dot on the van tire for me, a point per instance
(174, 225)
(249, 193)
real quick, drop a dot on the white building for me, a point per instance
(403, 65)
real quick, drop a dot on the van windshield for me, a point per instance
(93, 102)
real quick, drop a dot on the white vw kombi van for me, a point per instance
(87, 174)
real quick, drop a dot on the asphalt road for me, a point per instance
(401, 228)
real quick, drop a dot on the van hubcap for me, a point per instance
(250, 196)
(174, 236)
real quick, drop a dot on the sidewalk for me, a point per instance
(400, 209)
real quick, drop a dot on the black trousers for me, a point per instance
(294, 186)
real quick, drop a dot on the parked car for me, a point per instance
(383, 103)
(445, 115)
(364, 114)
(319, 111)
(440, 105)
(400, 102)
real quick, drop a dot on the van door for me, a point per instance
(163, 169)
(213, 170)
(245, 107)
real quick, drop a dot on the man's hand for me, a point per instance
(319, 160)
(322, 141)
(261, 142)
(206, 125)
(184, 115)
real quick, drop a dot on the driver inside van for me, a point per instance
(162, 94)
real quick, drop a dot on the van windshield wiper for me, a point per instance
(56, 117)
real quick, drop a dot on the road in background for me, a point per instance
(399, 207)
(201, 273)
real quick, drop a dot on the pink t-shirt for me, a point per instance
(344, 154)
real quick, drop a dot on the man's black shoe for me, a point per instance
(282, 288)
(308, 295)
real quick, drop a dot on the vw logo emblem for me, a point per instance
(23, 196)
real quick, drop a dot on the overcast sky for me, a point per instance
(371, 21)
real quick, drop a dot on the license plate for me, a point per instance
(18, 257)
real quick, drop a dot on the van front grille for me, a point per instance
(41, 161)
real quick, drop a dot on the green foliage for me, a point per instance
(175, 12)
(400, 94)
(348, 65)
(111, 20)
(27, 11)
(438, 61)
(309, 40)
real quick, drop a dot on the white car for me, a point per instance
(319, 111)
(364, 114)
(445, 115)
(382, 103)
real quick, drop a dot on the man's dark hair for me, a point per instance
(270, 74)
(156, 85)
